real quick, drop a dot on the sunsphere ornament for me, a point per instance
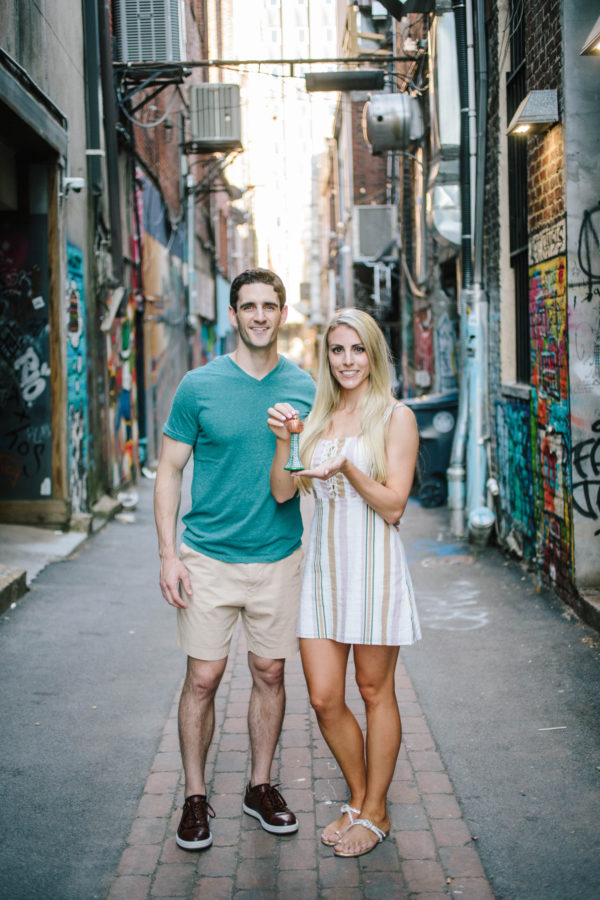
(295, 427)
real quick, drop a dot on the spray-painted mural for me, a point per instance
(120, 353)
(77, 393)
(25, 436)
(165, 343)
(515, 475)
(550, 426)
(423, 336)
(584, 380)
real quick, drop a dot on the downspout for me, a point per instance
(110, 138)
(456, 470)
(481, 518)
(473, 396)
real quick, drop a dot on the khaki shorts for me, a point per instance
(266, 595)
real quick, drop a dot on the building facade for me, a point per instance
(119, 237)
(486, 277)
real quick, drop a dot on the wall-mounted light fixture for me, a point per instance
(536, 113)
(592, 42)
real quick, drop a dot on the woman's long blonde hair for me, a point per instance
(377, 399)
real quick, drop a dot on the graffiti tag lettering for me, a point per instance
(586, 468)
(33, 375)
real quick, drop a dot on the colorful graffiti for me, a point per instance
(77, 393)
(25, 433)
(120, 353)
(550, 427)
(423, 335)
(446, 342)
(165, 342)
(586, 476)
(515, 472)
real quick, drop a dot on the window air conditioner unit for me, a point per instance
(375, 233)
(215, 117)
(150, 30)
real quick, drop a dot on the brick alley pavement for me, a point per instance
(429, 853)
(495, 792)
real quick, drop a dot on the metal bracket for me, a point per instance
(130, 81)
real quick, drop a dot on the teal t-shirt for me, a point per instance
(222, 412)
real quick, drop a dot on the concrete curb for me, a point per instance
(13, 585)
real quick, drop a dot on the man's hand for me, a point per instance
(173, 573)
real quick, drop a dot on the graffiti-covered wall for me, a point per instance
(582, 138)
(77, 390)
(165, 342)
(515, 475)
(550, 425)
(25, 434)
(123, 437)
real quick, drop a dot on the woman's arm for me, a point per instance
(388, 500)
(283, 486)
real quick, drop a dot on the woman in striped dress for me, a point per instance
(362, 447)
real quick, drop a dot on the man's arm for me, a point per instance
(167, 497)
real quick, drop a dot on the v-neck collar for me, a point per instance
(252, 377)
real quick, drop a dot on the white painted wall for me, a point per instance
(582, 139)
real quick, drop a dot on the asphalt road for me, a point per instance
(88, 671)
(509, 680)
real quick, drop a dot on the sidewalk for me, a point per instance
(429, 854)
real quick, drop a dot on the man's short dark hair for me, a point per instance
(251, 276)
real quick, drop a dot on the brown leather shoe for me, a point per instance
(266, 804)
(193, 832)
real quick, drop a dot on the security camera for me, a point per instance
(74, 184)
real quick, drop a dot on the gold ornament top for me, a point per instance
(295, 425)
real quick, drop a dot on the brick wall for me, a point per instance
(546, 167)
(369, 171)
(546, 152)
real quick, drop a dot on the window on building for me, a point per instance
(516, 87)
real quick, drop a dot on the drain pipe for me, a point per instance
(469, 440)
(456, 470)
(481, 519)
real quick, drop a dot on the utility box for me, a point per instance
(215, 117)
(149, 30)
(374, 230)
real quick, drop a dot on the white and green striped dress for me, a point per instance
(356, 586)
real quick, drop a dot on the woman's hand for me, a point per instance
(278, 415)
(326, 470)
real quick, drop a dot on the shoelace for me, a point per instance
(273, 797)
(200, 808)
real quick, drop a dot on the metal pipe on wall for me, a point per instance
(110, 138)
(470, 438)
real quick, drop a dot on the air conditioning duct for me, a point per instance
(150, 30)
(215, 117)
(392, 122)
(374, 231)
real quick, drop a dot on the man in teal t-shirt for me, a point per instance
(241, 550)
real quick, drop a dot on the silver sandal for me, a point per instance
(332, 841)
(366, 823)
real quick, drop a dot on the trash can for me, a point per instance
(436, 420)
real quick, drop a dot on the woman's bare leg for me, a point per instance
(375, 666)
(324, 663)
